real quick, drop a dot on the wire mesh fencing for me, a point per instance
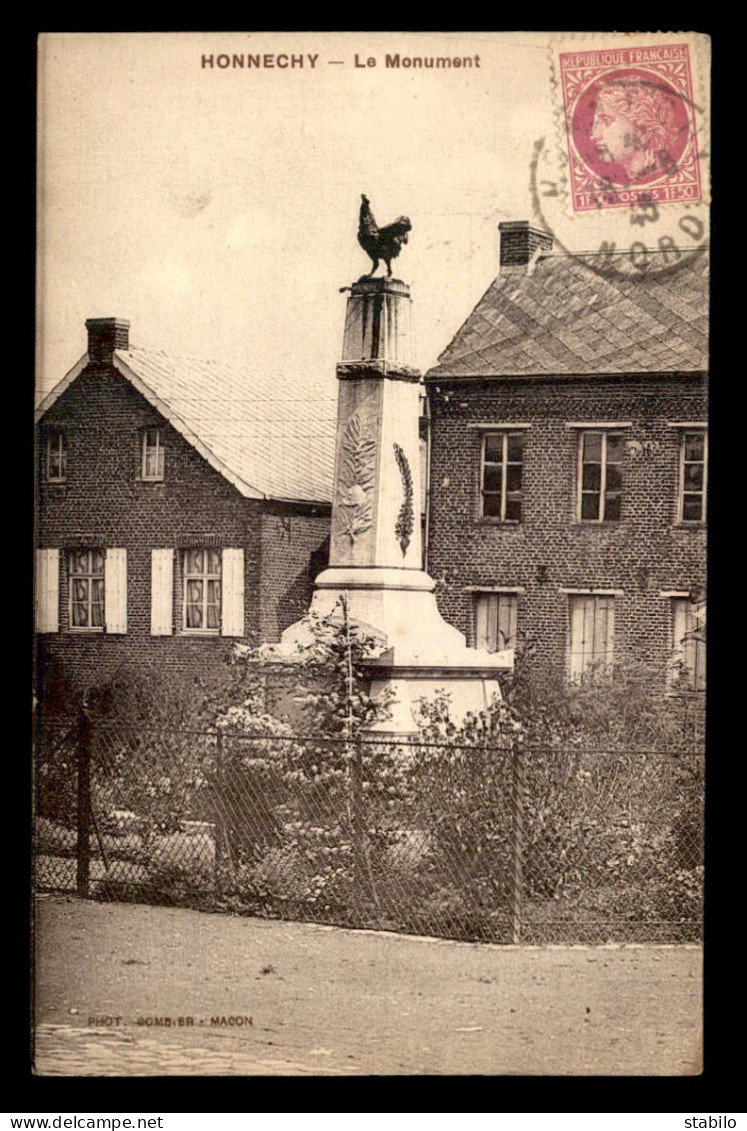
(480, 842)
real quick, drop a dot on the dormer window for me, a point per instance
(152, 454)
(56, 455)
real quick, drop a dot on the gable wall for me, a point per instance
(105, 500)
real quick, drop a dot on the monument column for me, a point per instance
(375, 557)
(375, 539)
(375, 507)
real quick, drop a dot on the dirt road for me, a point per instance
(129, 990)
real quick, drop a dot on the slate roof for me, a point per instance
(586, 314)
(270, 437)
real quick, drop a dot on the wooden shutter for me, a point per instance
(115, 590)
(481, 622)
(689, 649)
(232, 595)
(495, 621)
(592, 634)
(604, 631)
(581, 621)
(161, 592)
(47, 595)
(699, 646)
(507, 614)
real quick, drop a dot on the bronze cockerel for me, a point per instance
(381, 243)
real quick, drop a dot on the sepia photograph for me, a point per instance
(371, 478)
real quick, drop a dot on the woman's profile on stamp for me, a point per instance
(637, 128)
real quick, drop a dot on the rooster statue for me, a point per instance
(381, 243)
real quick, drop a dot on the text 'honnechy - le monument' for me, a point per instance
(375, 559)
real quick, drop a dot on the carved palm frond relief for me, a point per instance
(356, 480)
(404, 525)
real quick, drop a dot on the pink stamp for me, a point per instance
(630, 125)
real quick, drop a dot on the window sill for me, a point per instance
(200, 632)
(79, 629)
(690, 525)
(153, 479)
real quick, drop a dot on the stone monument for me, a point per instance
(375, 556)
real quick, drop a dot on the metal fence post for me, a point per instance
(223, 855)
(517, 869)
(219, 846)
(84, 803)
(356, 781)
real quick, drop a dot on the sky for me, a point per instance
(217, 208)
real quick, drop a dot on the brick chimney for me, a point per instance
(520, 244)
(106, 335)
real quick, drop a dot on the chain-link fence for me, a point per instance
(471, 842)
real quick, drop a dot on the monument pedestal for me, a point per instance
(375, 540)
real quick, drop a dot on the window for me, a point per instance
(496, 615)
(56, 456)
(501, 475)
(599, 476)
(152, 455)
(693, 456)
(202, 590)
(689, 643)
(91, 587)
(591, 634)
(86, 574)
(208, 586)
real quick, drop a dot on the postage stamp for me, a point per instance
(630, 126)
(625, 172)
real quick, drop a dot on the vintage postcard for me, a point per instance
(370, 531)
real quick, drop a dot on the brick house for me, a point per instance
(568, 450)
(181, 505)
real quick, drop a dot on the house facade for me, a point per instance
(568, 461)
(181, 506)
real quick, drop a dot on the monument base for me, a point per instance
(421, 655)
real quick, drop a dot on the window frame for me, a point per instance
(58, 434)
(604, 434)
(205, 577)
(505, 433)
(684, 434)
(160, 457)
(89, 576)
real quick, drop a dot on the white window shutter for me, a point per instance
(493, 612)
(47, 596)
(604, 628)
(115, 590)
(161, 592)
(481, 622)
(232, 597)
(577, 647)
(507, 612)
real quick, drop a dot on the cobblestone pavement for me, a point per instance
(131, 990)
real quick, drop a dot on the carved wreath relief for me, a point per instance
(403, 526)
(357, 470)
